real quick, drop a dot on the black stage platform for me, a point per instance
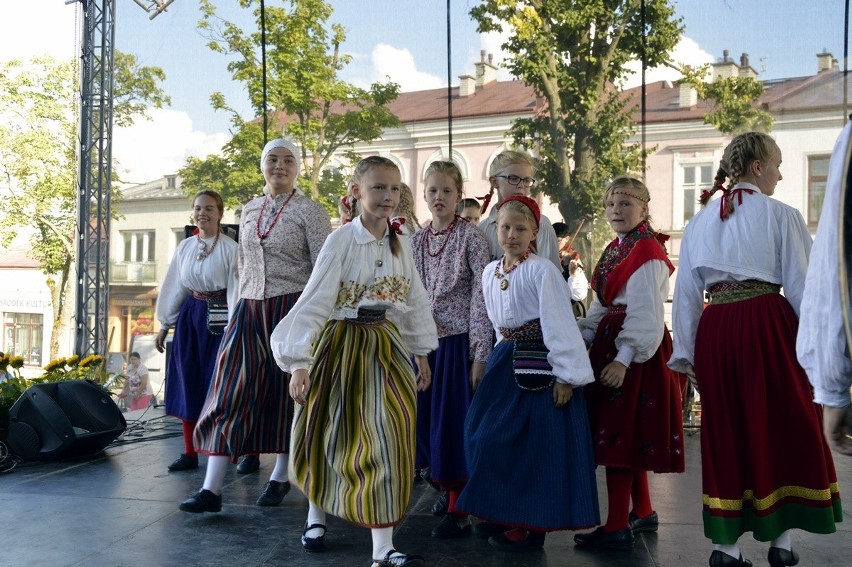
(121, 508)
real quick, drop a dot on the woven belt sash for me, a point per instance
(208, 295)
(730, 292)
(369, 316)
(529, 331)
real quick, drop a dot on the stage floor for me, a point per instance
(121, 508)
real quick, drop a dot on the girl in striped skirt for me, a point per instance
(527, 438)
(347, 346)
(247, 409)
(766, 467)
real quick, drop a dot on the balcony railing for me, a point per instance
(133, 273)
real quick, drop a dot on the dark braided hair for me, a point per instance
(737, 158)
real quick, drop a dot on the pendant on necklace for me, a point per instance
(504, 284)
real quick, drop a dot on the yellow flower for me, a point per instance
(55, 365)
(16, 362)
(4, 359)
(72, 360)
(91, 360)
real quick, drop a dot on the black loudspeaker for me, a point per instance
(63, 419)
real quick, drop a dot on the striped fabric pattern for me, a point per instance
(352, 451)
(248, 408)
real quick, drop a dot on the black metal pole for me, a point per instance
(449, 84)
(263, 63)
(644, 93)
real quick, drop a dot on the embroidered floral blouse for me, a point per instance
(537, 290)
(453, 281)
(186, 274)
(280, 263)
(355, 270)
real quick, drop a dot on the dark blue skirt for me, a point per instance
(441, 411)
(191, 362)
(531, 464)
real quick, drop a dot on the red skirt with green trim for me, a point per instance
(766, 467)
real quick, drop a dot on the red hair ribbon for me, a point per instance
(486, 200)
(396, 224)
(726, 199)
(530, 204)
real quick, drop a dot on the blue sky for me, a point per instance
(405, 39)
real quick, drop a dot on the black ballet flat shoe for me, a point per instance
(203, 501)
(397, 561)
(273, 493)
(533, 540)
(248, 464)
(781, 557)
(485, 530)
(439, 508)
(599, 539)
(184, 463)
(646, 525)
(313, 544)
(451, 526)
(721, 559)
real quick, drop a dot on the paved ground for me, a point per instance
(120, 508)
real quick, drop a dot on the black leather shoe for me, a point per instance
(487, 529)
(184, 463)
(273, 493)
(781, 557)
(397, 561)
(313, 544)
(646, 525)
(439, 508)
(622, 539)
(533, 540)
(248, 464)
(451, 526)
(203, 501)
(721, 559)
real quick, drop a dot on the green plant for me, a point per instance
(12, 385)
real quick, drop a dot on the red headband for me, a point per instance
(531, 205)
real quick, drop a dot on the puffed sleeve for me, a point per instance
(567, 353)
(416, 326)
(642, 331)
(796, 246)
(687, 306)
(172, 293)
(589, 324)
(231, 265)
(317, 228)
(480, 326)
(292, 339)
(547, 244)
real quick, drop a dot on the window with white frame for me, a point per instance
(817, 176)
(696, 178)
(138, 245)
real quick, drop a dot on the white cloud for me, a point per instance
(399, 65)
(32, 28)
(686, 52)
(150, 149)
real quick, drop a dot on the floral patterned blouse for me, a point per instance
(451, 267)
(281, 262)
(355, 270)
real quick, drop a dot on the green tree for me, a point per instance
(38, 157)
(735, 101)
(573, 53)
(306, 99)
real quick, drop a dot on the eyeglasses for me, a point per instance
(515, 180)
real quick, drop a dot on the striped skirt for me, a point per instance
(766, 467)
(352, 450)
(531, 463)
(441, 411)
(192, 361)
(248, 408)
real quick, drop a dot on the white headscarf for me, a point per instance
(281, 143)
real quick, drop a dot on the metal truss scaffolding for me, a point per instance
(94, 179)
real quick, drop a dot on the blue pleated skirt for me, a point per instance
(531, 464)
(441, 411)
(191, 362)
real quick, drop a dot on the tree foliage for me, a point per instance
(306, 99)
(38, 156)
(735, 101)
(573, 53)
